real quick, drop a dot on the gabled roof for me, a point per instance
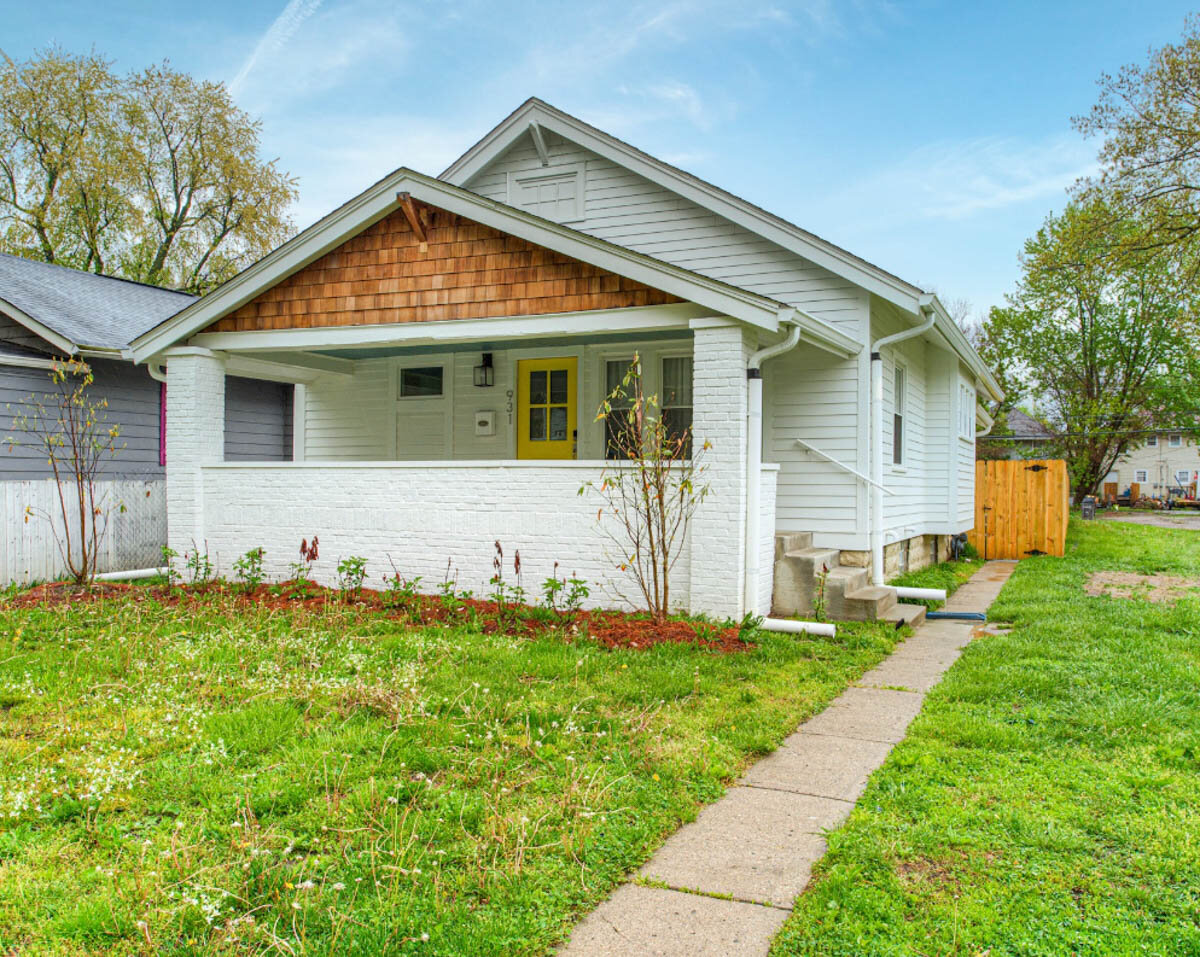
(717, 200)
(889, 287)
(381, 199)
(74, 310)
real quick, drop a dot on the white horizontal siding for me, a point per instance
(352, 418)
(904, 510)
(625, 208)
(362, 418)
(808, 395)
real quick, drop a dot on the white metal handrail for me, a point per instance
(842, 466)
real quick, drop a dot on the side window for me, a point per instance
(899, 403)
(677, 399)
(1152, 441)
(966, 411)
(1139, 476)
(1175, 441)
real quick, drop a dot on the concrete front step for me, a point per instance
(867, 604)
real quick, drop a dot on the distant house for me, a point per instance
(49, 313)
(1023, 437)
(1164, 465)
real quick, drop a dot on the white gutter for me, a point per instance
(754, 439)
(876, 511)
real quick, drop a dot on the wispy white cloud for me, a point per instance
(955, 180)
(276, 37)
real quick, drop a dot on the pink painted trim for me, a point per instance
(162, 423)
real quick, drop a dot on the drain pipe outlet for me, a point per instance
(788, 626)
(921, 594)
(876, 511)
(754, 440)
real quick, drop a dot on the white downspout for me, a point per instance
(876, 511)
(754, 439)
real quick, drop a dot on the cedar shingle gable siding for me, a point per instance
(465, 270)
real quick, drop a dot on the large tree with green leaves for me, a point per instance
(153, 176)
(1104, 347)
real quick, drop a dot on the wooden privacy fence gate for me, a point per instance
(1021, 508)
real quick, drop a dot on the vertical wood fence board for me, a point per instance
(1021, 508)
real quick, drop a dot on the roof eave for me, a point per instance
(380, 200)
(40, 329)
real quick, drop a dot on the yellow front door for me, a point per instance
(546, 426)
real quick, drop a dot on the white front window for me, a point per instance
(1183, 476)
(899, 401)
(1139, 476)
(1175, 441)
(677, 398)
(554, 192)
(1152, 441)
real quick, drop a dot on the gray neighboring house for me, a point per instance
(50, 312)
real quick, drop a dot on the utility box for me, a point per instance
(485, 422)
(1088, 507)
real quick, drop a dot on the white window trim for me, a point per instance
(1175, 441)
(578, 170)
(1145, 476)
(1152, 441)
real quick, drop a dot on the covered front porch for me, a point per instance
(419, 446)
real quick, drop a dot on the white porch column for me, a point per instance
(722, 349)
(195, 437)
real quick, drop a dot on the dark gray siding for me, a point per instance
(133, 404)
(12, 331)
(258, 421)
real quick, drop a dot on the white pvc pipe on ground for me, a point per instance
(923, 594)
(822, 628)
(131, 575)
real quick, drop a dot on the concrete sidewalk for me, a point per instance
(725, 883)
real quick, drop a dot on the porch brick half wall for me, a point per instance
(195, 438)
(721, 354)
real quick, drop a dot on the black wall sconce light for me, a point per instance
(485, 375)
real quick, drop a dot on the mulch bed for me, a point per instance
(614, 629)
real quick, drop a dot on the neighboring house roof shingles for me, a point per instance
(83, 308)
(1025, 427)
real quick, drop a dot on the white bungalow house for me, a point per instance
(451, 338)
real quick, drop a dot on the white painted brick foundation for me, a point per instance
(418, 515)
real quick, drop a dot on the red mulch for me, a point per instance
(614, 629)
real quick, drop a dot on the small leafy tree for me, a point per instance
(70, 428)
(651, 488)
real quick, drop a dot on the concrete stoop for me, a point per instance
(849, 594)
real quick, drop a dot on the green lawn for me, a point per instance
(1047, 800)
(209, 779)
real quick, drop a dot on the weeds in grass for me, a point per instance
(249, 568)
(198, 564)
(351, 572)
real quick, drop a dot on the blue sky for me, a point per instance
(930, 137)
